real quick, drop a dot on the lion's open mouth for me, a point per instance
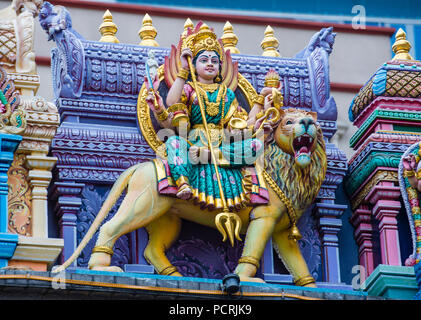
(302, 145)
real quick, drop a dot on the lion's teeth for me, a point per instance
(299, 139)
(311, 140)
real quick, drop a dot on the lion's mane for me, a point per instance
(300, 185)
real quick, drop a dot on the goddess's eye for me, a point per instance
(288, 122)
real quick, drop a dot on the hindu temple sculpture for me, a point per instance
(231, 159)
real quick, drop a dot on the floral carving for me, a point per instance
(91, 204)
(19, 203)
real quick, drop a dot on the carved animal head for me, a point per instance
(54, 19)
(296, 159)
(296, 134)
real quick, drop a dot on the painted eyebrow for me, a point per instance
(206, 56)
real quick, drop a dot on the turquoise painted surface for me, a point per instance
(386, 8)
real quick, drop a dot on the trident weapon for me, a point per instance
(228, 223)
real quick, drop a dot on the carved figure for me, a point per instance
(297, 135)
(410, 184)
(16, 30)
(202, 176)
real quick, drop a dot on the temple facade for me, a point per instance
(75, 132)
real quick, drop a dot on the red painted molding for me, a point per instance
(234, 18)
(345, 87)
(43, 61)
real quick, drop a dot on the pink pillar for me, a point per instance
(384, 198)
(363, 234)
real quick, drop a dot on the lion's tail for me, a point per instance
(112, 198)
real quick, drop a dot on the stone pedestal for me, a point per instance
(395, 282)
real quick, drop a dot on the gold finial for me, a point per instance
(270, 44)
(108, 28)
(401, 46)
(188, 24)
(229, 39)
(148, 32)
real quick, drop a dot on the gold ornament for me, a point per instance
(304, 281)
(212, 108)
(103, 249)
(108, 28)
(251, 260)
(187, 25)
(204, 39)
(183, 74)
(148, 32)
(272, 79)
(229, 39)
(401, 46)
(270, 44)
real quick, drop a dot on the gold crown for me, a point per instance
(203, 38)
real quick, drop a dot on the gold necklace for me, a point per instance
(212, 108)
(295, 233)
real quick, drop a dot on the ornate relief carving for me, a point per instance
(19, 199)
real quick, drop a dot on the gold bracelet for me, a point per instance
(249, 259)
(408, 173)
(183, 74)
(304, 281)
(162, 116)
(259, 115)
(418, 174)
(260, 100)
(168, 271)
(103, 249)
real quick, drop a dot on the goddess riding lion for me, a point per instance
(292, 184)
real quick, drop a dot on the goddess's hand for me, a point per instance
(186, 52)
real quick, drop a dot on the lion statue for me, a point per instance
(294, 158)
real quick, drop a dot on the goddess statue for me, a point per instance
(230, 127)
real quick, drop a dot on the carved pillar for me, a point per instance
(8, 242)
(386, 206)
(67, 196)
(39, 179)
(329, 222)
(362, 221)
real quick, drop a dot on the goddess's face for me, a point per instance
(207, 65)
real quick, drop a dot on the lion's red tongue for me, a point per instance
(303, 149)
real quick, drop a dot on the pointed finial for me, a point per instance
(270, 44)
(148, 32)
(401, 46)
(108, 28)
(229, 39)
(188, 24)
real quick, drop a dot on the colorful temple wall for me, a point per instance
(96, 85)
(58, 168)
(386, 112)
(29, 171)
